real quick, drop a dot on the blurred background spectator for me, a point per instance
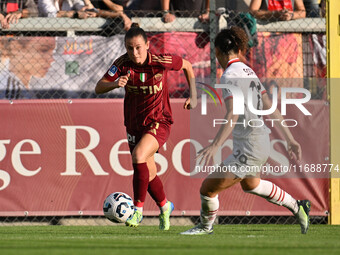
(185, 8)
(143, 6)
(312, 8)
(63, 8)
(273, 10)
(109, 9)
(322, 6)
(13, 10)
(24, 58)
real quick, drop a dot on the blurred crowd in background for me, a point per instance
(38, 64)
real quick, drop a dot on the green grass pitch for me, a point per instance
(227, 239)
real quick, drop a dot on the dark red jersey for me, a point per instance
(146, 92)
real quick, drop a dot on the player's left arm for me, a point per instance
(191, 102)
(293, 145)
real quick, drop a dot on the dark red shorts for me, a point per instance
(160, 131)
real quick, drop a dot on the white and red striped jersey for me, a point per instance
(243, 77)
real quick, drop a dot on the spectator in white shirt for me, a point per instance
(63, 8)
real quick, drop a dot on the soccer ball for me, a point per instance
(118, 207)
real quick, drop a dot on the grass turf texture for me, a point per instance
(227, 239)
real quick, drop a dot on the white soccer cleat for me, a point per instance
(198, 230)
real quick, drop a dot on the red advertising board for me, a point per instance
(61, 157)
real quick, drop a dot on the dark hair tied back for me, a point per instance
(134, 31)
(133, 25)
(232, 40)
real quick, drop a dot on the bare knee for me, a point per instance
(211, 187)
(138, 155)
(207, 189)
(207, 192)
(145, 149)
(250, 183)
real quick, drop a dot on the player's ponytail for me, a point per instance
(232, 40)
(134, 31)
(134, 24)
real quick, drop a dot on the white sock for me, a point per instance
(275, 195)
(140, 209)
(209, 208)
(164, 207)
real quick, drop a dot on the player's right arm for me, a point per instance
(113, 78)
(293, 145)
(224, 132)
(105, 85)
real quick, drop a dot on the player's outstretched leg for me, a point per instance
(134, 219)
(303, 214)
(274, 194)
(164, 217)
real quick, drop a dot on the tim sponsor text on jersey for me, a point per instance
(151, 89)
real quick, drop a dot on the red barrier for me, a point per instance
(63, 158)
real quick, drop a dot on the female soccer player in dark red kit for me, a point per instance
(147, 114)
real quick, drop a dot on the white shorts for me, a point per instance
(249, 154)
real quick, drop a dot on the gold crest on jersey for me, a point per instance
(158, 77)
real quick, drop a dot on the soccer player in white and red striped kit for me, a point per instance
(251, 144)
